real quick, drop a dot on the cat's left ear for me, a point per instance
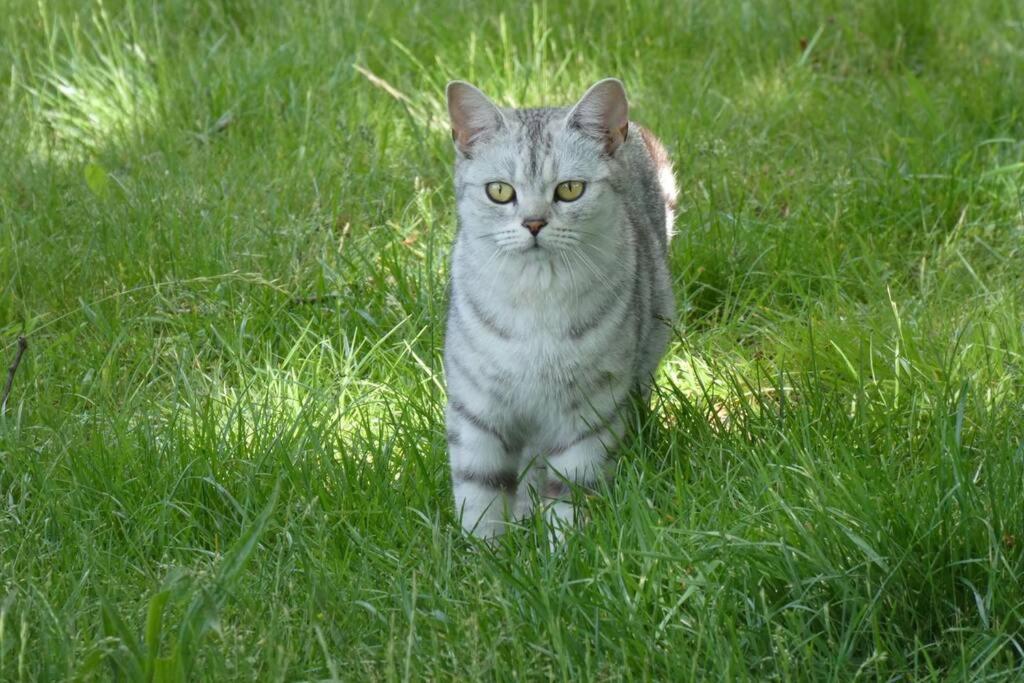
(473, 116)
(603, 114)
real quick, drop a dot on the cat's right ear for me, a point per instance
(474, 117)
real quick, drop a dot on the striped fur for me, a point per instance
(548, 335)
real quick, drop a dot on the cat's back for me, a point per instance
(648, 185)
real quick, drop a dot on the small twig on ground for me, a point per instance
(379, 82)
(314, 299)
(22, 345)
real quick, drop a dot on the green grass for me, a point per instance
(224, 456)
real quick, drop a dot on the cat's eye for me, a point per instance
(500, 193)
(570, 190)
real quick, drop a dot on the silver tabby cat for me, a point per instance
(561, 299)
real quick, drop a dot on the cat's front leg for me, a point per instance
(484, 471)
(584, 461)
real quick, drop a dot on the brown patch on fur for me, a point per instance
(556, 488)
(659, 155)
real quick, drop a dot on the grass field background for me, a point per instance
(223, 231)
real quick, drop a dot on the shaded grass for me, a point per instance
(224, 455)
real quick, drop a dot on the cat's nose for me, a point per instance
(534, 225)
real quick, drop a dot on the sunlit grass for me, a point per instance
(224, 234)
(100, 93)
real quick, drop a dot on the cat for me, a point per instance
(561, 301)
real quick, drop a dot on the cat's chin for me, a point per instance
(536, 250)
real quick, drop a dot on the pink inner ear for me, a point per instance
(603, 113)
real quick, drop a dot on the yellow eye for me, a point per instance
(570, 190)
(500, 193)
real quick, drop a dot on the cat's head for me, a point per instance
(537, 181)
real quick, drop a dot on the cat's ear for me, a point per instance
(473, 116)
(603, 114)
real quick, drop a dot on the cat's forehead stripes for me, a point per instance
(534, 136)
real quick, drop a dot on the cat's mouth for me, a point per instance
(533, 247)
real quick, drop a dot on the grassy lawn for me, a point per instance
(224, 230)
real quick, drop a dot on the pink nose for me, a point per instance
(534, 225)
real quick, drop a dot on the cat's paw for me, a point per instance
(562, 517)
